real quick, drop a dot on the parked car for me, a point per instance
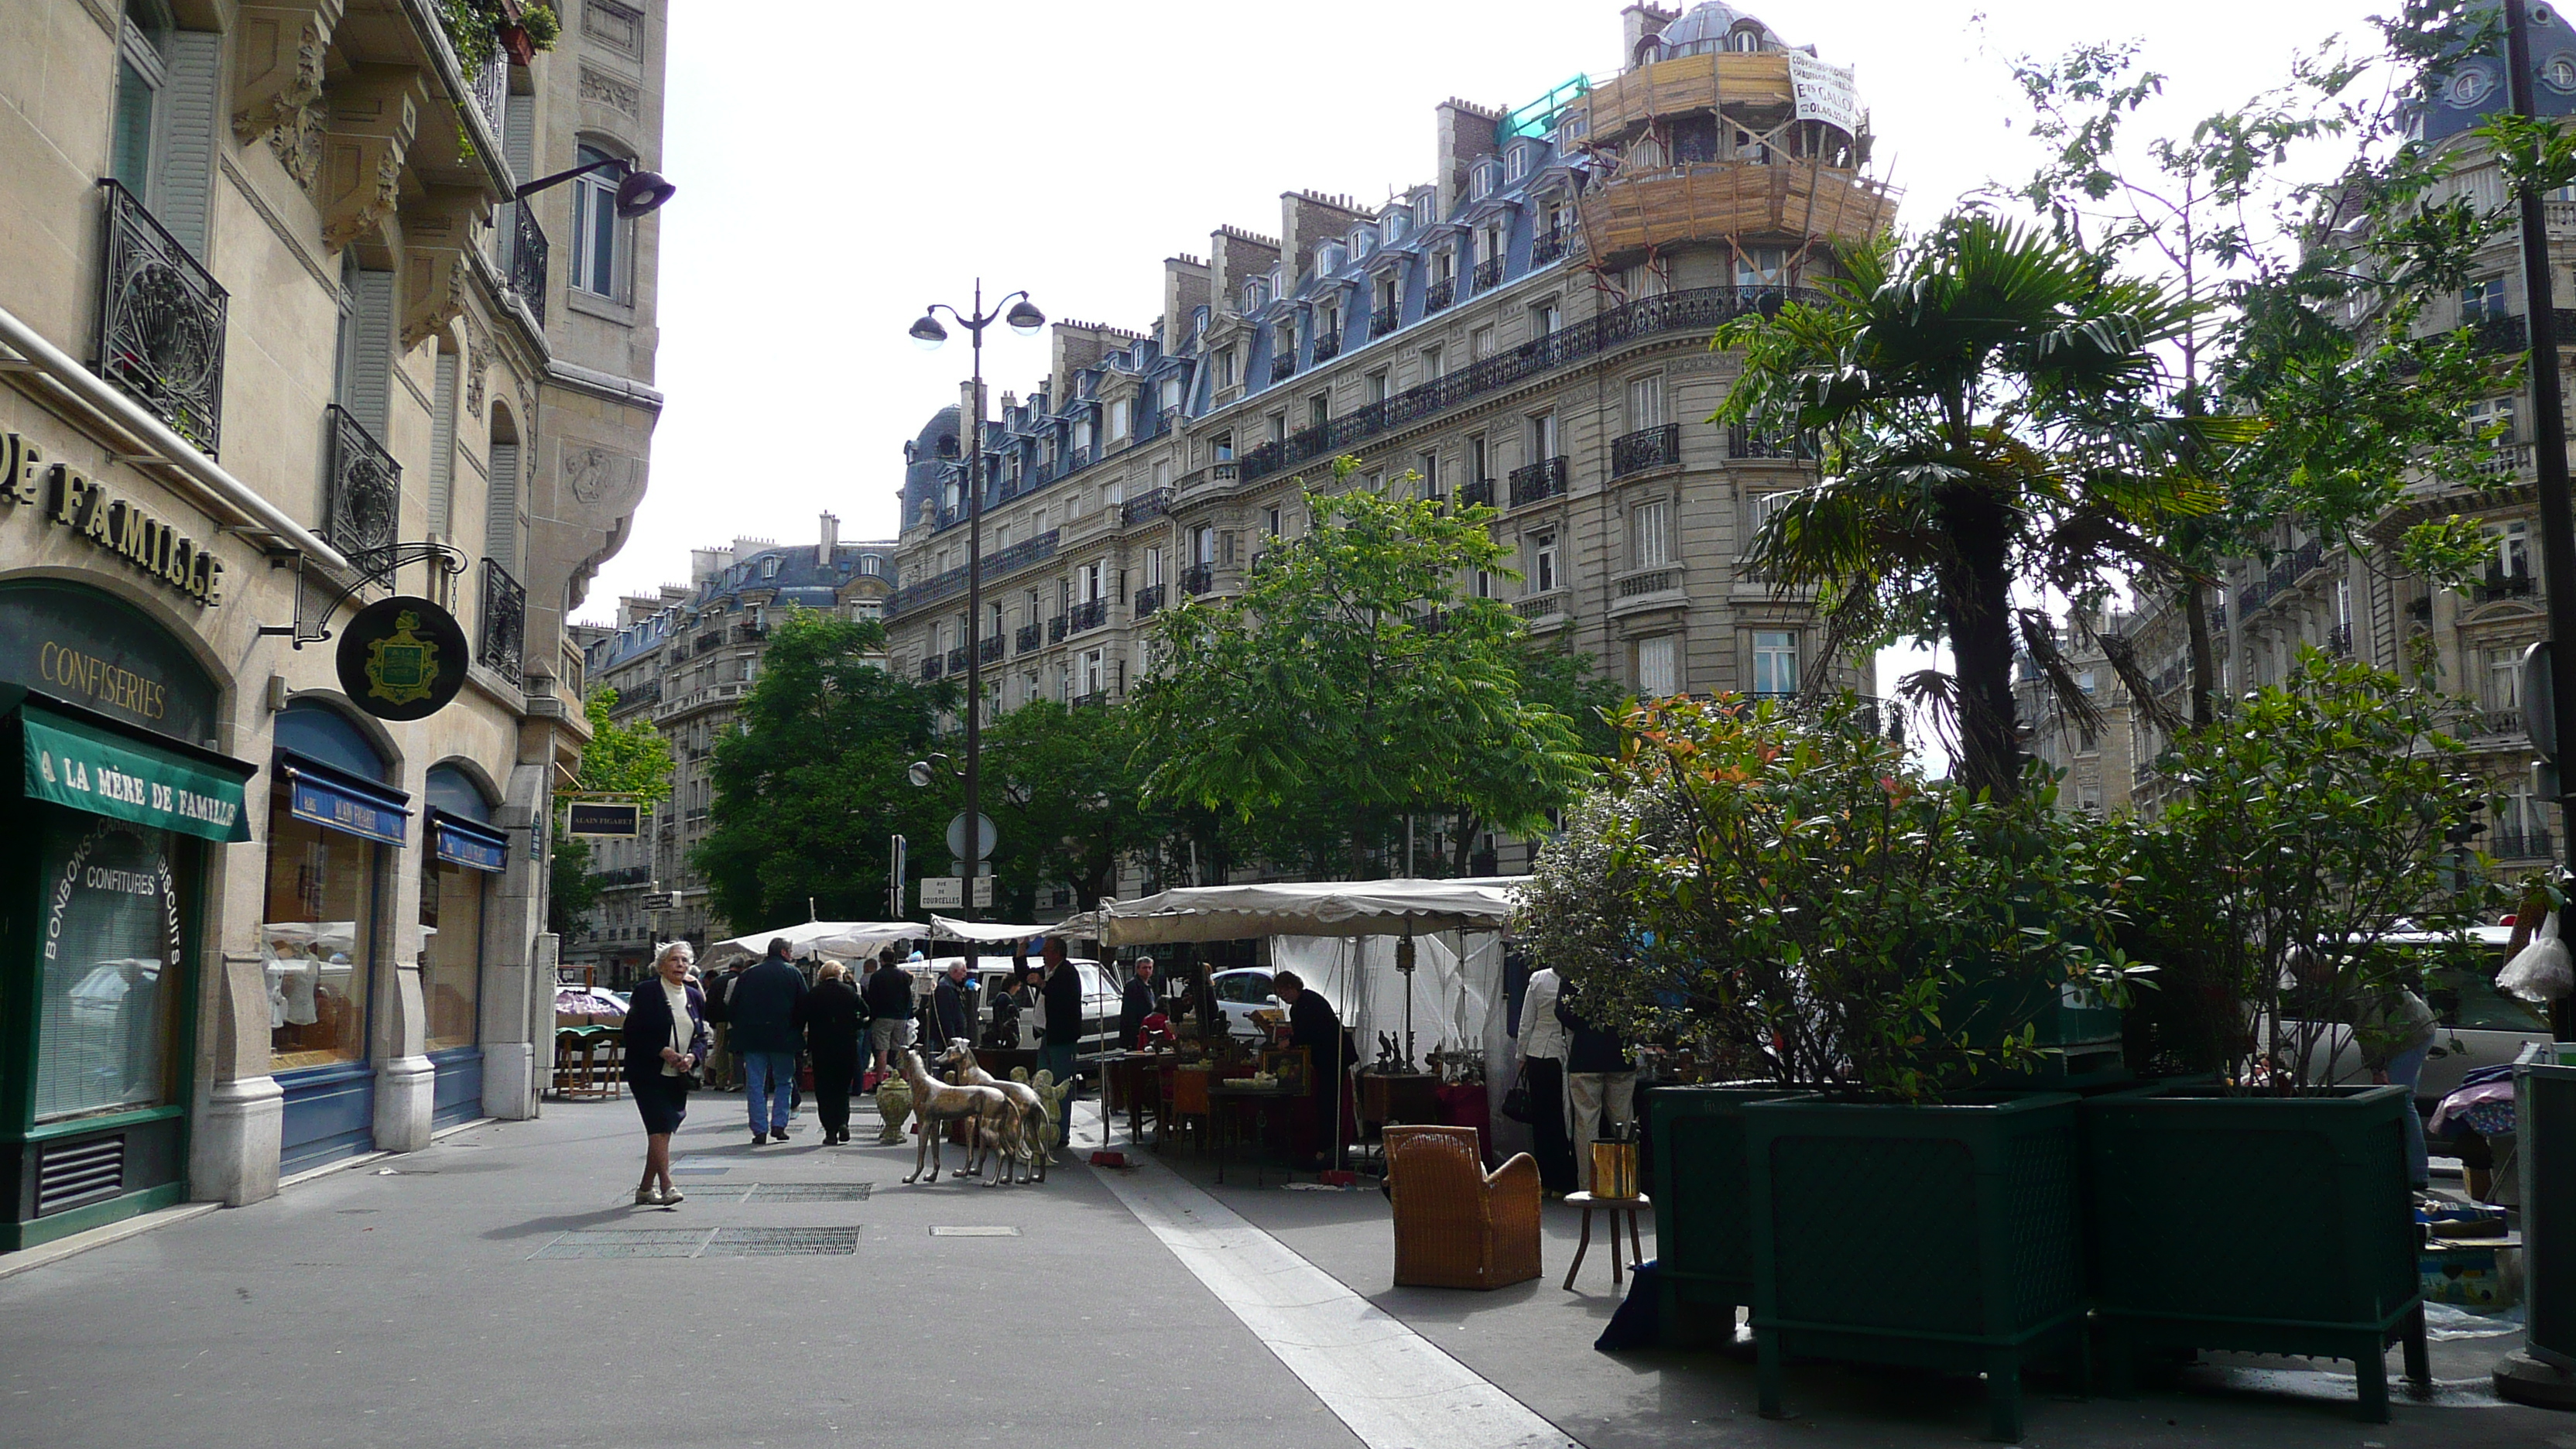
(2480, 1026)
(1241, 992)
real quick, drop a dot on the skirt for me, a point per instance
(662, 1101)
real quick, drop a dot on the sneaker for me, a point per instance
(758, 1138)
(647, 1197)
(671, 1197)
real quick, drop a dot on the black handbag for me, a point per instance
(1516, 1102)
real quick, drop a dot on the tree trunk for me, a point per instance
(2204, 659)
(1976, 607)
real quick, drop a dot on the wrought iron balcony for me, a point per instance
(1283, 365)
(992, 648)
(1477, 493)
(1088, 699)
(1548, 248)
(1198, 578)
(957, 660)
(1328, 345)
(1145, 505)
(505, 624)
(1646, 448)
(528, 250)
(1440, 294)
(1055, 629)
(2501, 585)
(1029, 637)
(2499, 722)
(2339, 640)
(1383, 321)
(1489, 274)
(364, 507)
(161, 323)
(1743, 442)
(930, 667)
(1538, 482)
(1148, 599)
(1090, 614)
(2521, 845)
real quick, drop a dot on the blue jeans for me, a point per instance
(2404, 1070)
(768, 1079)
(1057, 1057)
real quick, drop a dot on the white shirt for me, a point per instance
(1542, 1035)
(681, 1033)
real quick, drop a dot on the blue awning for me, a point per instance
(465, 843)
(338, 801)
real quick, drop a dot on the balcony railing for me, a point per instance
(1328, 345)
(505, 624)
(364, 506)
(1489, 274)
(1439, 294)
(1538, 482)
(992, 648)
(1646, 448)
(1383, 321)
(491, 87)
(1540, 606)
(1698, 309)
(1744, 442)
(1088, 699)
(1148, 599)
(1029, 637)
(1644, 583)
(1198, 578)
(161, 323)
(1145, 505)
(930, 667)
(2499, 722)
(1090, 614)
(2501, 585)
(1283, 365)
(1478, 493)
(1056, 629)
(941, 586)
(2522, 845)
(1547, 248)
(957, 660)
(528, 249)
(2339, 640)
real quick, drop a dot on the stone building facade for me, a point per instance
(2094, 760)
(271, 324)
(1527, 329)
(684, 660)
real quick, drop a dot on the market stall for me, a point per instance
(842, 940)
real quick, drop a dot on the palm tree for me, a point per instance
(1984, 403)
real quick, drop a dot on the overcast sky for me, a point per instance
(841, 165)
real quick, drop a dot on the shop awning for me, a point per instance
(338, 801)
(468, 843)
(74, 763)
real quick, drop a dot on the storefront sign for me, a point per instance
(68, 498)
(462, 842)
(98, 651)
(402, 658)
(602, 820)
(86, 768)
(343, 806)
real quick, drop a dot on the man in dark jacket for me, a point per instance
(1137, 1003)
(768, 1013)
(889, 1001)
(724, 1069)
(954, 1006)
(1063, 1027)
(1314, 1025)
(1600, 1081)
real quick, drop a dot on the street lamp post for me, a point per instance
(1022, 317)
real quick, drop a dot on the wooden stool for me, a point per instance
(1614, 1206)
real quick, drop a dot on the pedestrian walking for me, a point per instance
(768, 1008)
(1063, 1033)
(2396, 1031)
(1600, 1081)
(1136, 1003)
(832, 1045)
(889, 1001)
(723, 1072)
(1541, 1048)
(666, 1040)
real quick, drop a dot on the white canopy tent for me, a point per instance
(845, 940)
(1003, 933)
(1395, 907)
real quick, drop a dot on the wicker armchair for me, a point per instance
(1457, 1226)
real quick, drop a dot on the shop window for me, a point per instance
(328, 821)
(109, 990)
(456, 871)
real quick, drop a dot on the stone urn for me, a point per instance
(894, 1104)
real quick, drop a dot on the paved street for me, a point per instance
(452, 1297)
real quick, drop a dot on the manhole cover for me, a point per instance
(626, 1243)
(783, 1243)
(809, 1192)
(974, 1232)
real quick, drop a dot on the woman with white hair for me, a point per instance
(666, 1039)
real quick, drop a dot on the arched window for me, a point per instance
(466, 852)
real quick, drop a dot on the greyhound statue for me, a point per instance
(1028, 1140)
(935, 1103)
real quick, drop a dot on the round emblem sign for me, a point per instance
(402, 658)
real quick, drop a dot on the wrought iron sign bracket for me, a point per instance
(368, 566)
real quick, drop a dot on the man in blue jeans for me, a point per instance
(1063, 1027)
(768, 1011)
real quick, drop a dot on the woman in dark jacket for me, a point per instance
(832, 1044)
(666, 1036)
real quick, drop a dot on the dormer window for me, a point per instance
(1328, 259)
(1482, 181)
(1516, 164)
(1361, 239)
(769, 568)
(1255, 293)
(1746, 38)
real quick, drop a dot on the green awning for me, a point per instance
(88, 768)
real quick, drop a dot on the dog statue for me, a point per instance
(1026, 1141)
(894, 1104)
(938, 1103)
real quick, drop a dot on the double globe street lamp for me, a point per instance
(1021, 316)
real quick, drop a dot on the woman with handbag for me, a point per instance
(666, 1042)
(1541, 1047)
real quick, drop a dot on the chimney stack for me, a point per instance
(831, 541)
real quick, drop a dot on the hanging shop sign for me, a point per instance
(68, 498)
(465, 843)
(402, 658)
(328, 798)
(87, 768)
(100, 652)
(603, 820)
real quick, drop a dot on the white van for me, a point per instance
(1099, 996)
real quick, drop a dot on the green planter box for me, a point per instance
(1703, 1206)
(1942, 1236)
(2258, 1224)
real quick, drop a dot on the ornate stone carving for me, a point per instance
(611, 91)
(277, 63)
(374, 114)
(478, 360)
(591, 472)
(436, 233)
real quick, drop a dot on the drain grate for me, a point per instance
(626, 1243)
(809, 1192)
(700, 1171)
(975, 1232)
(783, 1243)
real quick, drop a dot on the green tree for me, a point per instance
(1066, 793)
(1985, 404)
(619, 760)
(1351, 683)
(811, 789)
